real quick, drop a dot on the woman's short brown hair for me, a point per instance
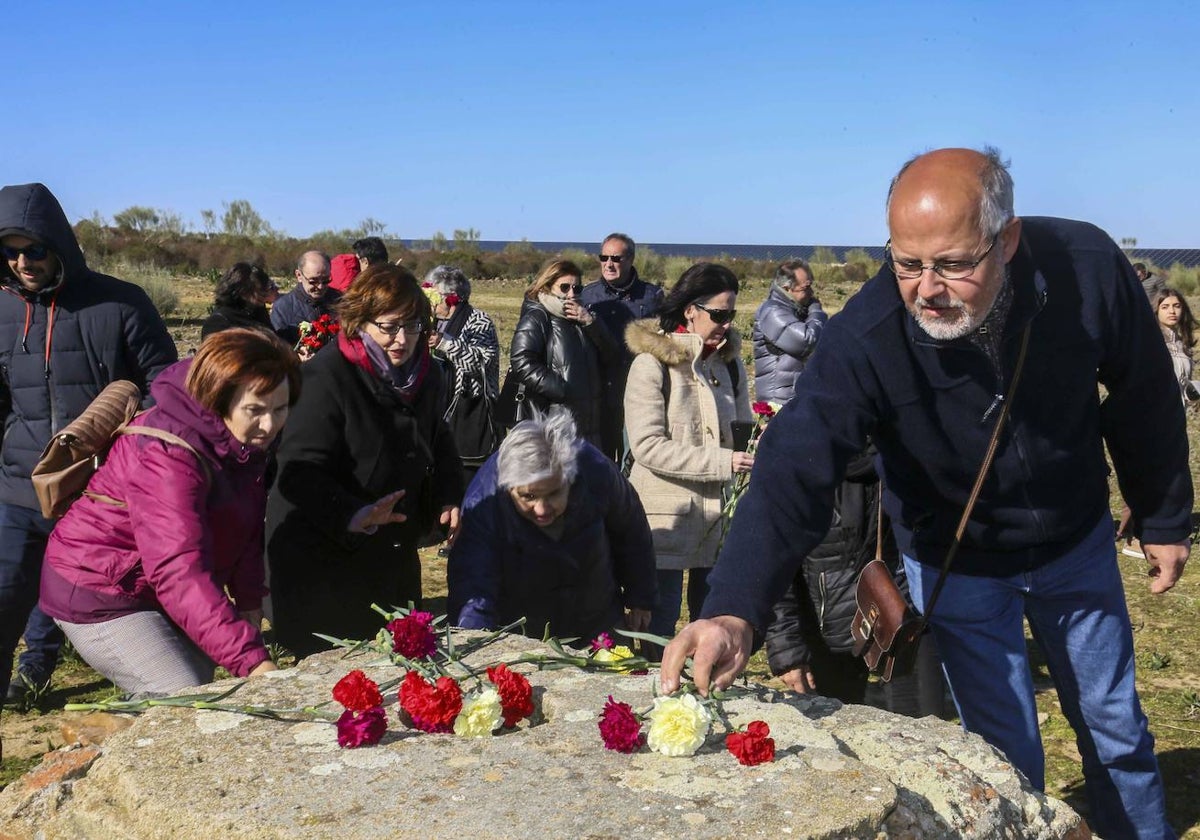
(553, 271)
(381, 289)
(232, 358)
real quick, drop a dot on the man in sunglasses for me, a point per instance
(65, 332)
(922, 359)
(617, 299)
(311, 298)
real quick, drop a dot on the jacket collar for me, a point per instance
(646, 336)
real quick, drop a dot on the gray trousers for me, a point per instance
(144, 653)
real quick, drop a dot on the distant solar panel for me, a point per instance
(1161, 257)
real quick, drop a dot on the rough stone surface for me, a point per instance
(93, 728)
(840, 772)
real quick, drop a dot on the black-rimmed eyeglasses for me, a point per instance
(946, 269)
(412, 328)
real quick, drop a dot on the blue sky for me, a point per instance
(675, 122)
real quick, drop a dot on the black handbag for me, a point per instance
(515, 402)
(886, 630)
(474, 427)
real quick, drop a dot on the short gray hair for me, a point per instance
(449, 280)
(996, 193)
(630, 248)
(545, 447)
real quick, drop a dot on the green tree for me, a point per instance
(823, 256)
(370, 227)
(466, 241)
(208, 218)
(438, 242)
(137, 219)
(241, 219)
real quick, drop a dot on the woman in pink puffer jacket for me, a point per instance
(139, 586)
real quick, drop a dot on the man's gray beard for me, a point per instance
(965, 324)
(941, 329)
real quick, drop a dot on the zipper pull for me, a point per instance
(997, 401)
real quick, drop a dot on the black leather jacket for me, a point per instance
(561, 361)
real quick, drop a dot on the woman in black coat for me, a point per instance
(241, 299)
(559, 350)
(366, 467)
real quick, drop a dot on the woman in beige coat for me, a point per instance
(686, 390)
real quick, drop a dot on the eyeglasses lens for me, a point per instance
(611, 258)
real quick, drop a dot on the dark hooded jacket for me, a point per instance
(61, 345)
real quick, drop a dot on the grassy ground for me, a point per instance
(1166, 642)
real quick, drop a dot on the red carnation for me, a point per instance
(432, 707)
(357, 692)
(752, 746)
(361, 729)
(516, 695)
(451, 300)
(620, 727)
(763, 409)
(412, 635)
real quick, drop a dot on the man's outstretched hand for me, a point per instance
(1166, 564)
(719, 647)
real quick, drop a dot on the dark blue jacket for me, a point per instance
(616, 309)
(61, 345)
(923, 403)
(297, 306)
(503, 567)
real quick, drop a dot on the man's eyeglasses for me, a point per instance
(34, 252)
(567, 288)
(411, 329)
(719, 316)
(320, 280)
(947, 269)
(617, 258)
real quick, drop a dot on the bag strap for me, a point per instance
(988, 457)
(165, 437)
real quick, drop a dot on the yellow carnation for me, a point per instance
(614, 654)
(480, 715)
(678, 725)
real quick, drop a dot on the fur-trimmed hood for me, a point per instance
(646, 336)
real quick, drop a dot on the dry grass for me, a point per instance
(1166, 642)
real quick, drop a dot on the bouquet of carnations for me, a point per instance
(317, 333)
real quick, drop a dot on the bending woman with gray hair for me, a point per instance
(552, 532)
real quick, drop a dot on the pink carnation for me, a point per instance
(361, 729)
(620, 727)
(603, 642)
(412, 635)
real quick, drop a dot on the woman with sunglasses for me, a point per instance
(685, 393)
(367, 466)
(558, 353)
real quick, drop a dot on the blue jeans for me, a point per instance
(1076, 610)
(670, 599)
(23, 535)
